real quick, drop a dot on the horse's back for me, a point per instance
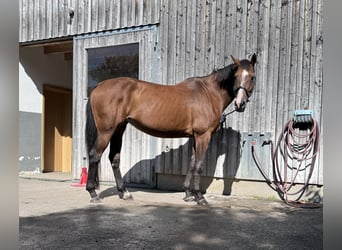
(111, 100)
(161, 110)
(115, 86)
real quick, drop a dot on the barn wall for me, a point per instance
(137, 146)
(45, 19)
(192, 39)
(196, 37)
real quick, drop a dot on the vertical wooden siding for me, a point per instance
(46, 19)
(196, 37)
(135, 143)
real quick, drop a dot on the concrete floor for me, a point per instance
(55, 215)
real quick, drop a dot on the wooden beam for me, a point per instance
(65, 47)
(42, 43)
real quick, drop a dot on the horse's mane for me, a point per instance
(225, 77)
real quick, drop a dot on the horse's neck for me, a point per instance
(226, 98)
(221, 93)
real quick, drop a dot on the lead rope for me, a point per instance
(224, 117)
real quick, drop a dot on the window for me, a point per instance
(110, 62)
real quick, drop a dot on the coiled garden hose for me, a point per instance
(295, 152)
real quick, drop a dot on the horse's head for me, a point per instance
(244, 81)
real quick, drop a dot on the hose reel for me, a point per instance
(293, 156)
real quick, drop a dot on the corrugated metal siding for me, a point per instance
(46, 19)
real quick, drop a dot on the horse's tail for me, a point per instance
(91, 130)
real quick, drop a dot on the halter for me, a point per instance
(246, 91)
(224, 115)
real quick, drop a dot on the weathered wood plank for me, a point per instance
(199, 44)
(266, 100)
(276, 61)
(190, 35)
(250, 121)
(23, 20)
(171, 45)
(43, 19)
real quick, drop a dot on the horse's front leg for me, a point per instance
(188, 194)
(197, 181)
(201, 146)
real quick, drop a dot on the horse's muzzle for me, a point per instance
(240, 108)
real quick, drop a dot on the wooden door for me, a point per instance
(57, 129)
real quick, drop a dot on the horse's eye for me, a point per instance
(253, 78)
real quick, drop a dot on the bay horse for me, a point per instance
(191, 108)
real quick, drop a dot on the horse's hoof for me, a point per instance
(202, 202)
(125, 195)
(95, 200)
(189, 198)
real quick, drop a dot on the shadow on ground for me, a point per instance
(151, 226)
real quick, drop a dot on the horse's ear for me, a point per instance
(253, 59)
(235, 60)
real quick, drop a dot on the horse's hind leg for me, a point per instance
(92, 182)
(95, 153)
(114, 157)
(188, 194)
